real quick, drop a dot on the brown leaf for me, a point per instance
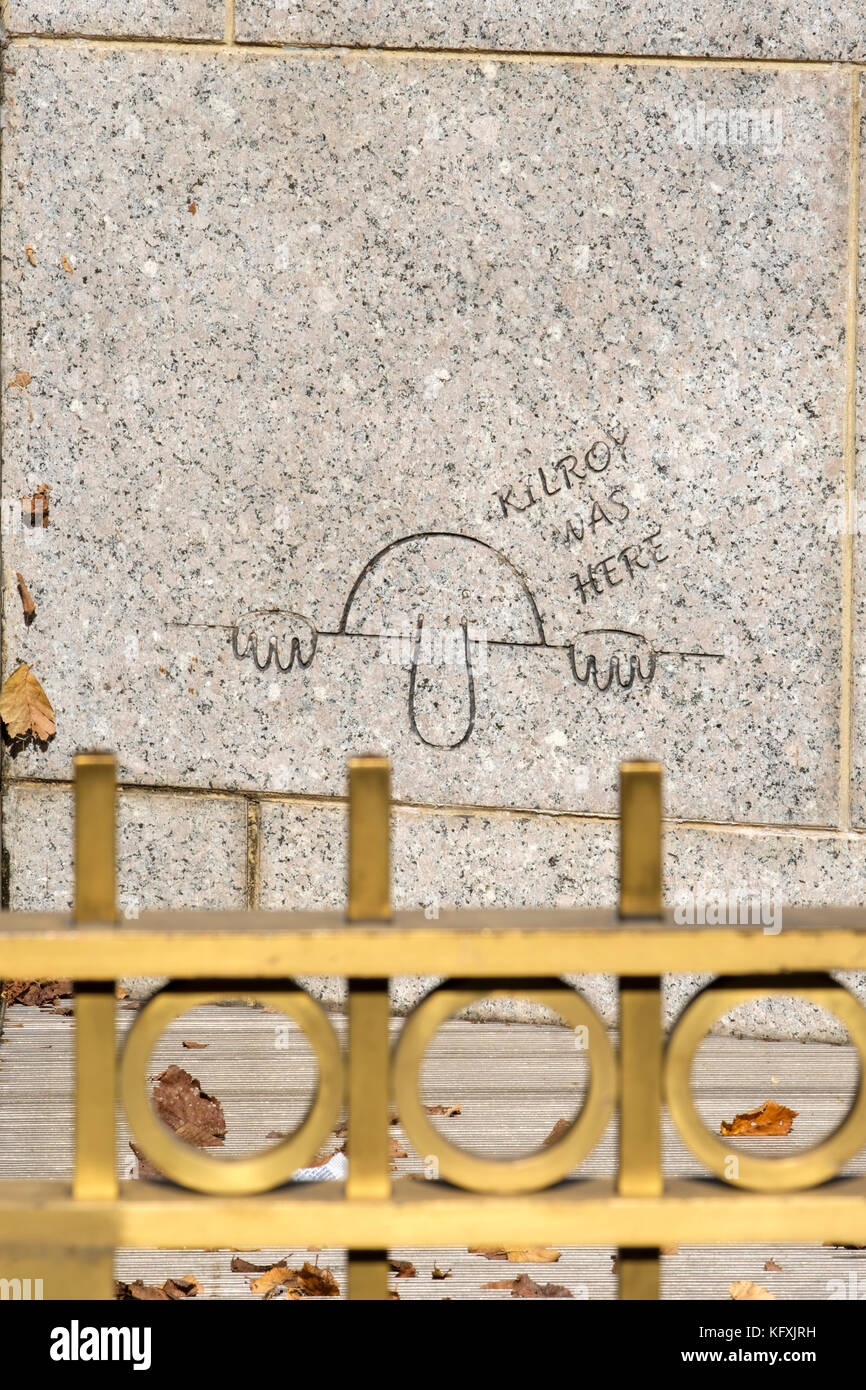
(448, 1110)
(518, 1254)
(172, 1289)
(440, 1273)
(307, 1282)
(764, 1121)
(270, 1279)
(558, 1130)
(192, 208)
(745, 1289)
(188, 1043)
(241, 1266)
(29, 252)
(403, 1269)
(771, 1265)
(25, 708)
(64, 261)
(185, 1287)
(21, 379)
(524, 1287)
(36, 991)
(188, 1110)
(35, 505)
(315, 1282)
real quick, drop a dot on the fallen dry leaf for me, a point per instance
(192, 208)
(26, 600)
(558, 1130)
(524, 1287)
(35, 505)
(767, 1120)
(270, 1279)
(440, 1273)
(189, 1043)
(30, 254)
(241, 1266)
(448, 1110)
(36, 991)
(518, 1254)
(403, 1269)
(171, 1290)
(307, 1282)
(64, 261)
(745, 1289)
(771, 1265)
(25, 709)
(188, 1110)
(21, 379)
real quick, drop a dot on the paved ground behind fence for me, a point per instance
(512, 1083)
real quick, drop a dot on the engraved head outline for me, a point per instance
(462, 588)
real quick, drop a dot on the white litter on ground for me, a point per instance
(334, 1170)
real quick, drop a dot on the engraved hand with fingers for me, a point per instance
(602, 654)
(276, 636)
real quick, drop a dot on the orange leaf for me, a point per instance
(24, 707)
(518, 1254)
(765, 1120)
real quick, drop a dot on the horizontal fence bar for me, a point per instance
(432, 1215)
(190, 945)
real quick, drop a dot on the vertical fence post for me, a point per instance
(640, 895)
(95, 901)
(369, 1090)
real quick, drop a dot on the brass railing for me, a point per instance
(72, 1230)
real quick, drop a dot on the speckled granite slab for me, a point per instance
(740, 29)
(177, 19)
(856, 524)
(546, 355)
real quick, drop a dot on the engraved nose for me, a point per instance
(442, 686)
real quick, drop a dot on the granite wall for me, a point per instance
(476, 383)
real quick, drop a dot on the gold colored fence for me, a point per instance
(72, 1230)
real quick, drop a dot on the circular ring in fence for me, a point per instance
(800, 1170)
(536, 1170)
(257, 1172)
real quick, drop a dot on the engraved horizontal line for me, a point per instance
(278, 47)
